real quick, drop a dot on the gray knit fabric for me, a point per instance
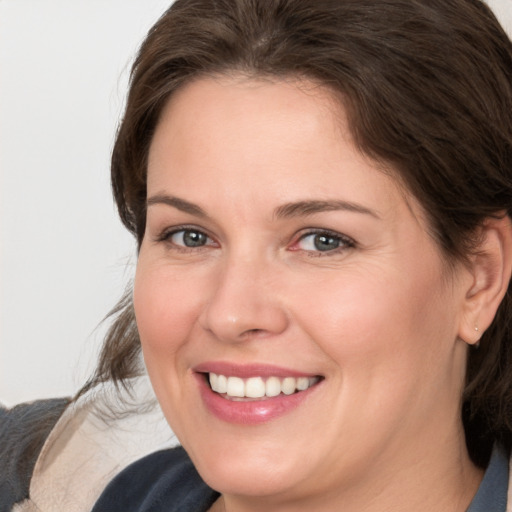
(23, 431)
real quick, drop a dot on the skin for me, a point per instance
(380, 317)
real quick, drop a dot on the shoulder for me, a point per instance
(23, 431)
(164, 481)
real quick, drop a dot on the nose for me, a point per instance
(244, 303)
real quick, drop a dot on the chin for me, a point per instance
(238, 467)
(245, 479)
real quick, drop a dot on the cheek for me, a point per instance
(166, 306)
(391, 342)
(380, 322)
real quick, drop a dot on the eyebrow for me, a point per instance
(305, 208)
(295, 209)
(179, 204)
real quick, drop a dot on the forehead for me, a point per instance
(287, 138)
(248, 108)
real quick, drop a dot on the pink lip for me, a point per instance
(251, 412)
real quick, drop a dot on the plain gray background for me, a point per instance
(64, 257)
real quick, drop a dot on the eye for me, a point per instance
(323, 241)
(187, 238)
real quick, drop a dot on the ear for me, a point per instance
(490, 270)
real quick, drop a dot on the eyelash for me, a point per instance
(344, 241)
(167, 234)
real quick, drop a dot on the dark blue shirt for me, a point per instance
(492, 493)
(164, 481)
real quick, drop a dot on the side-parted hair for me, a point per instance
(427, 88)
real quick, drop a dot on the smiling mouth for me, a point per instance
(258, 388)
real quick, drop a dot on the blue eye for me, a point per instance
(323, 242)
(190, 238)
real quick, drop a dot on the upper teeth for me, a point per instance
(256, 387)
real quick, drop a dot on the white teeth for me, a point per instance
(222, 384)
(302, 383)
(214, 381)
(219, 383)
(256, 387)
(236, 387)
(272, 387)
(288, 386)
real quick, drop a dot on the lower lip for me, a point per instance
(251, 412)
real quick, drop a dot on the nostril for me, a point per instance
(252, 333)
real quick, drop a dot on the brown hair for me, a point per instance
(427, 85)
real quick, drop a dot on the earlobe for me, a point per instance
(490, 269)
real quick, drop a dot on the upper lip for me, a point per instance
(246, 371)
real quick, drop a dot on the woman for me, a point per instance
(320, 191)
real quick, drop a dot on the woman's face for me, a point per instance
(280, 259)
